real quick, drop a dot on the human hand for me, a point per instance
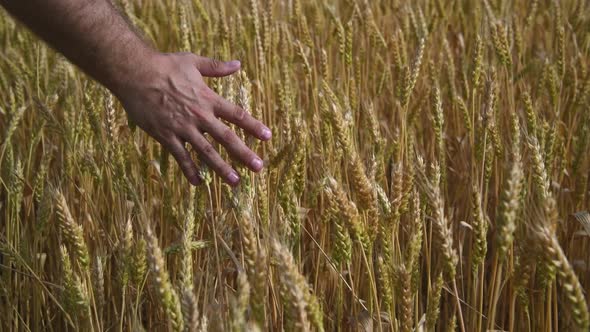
(170, 101)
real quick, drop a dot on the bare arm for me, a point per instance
(163, 93)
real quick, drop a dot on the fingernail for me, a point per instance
(234, 63)
(257, 164)
(233, 178)
(266, 133)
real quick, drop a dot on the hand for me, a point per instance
(172, 103)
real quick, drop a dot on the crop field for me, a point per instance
(429, 171)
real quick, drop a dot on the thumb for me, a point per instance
(215, 68)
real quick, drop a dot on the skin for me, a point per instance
(163, 93)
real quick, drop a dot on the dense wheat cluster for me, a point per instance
(429, 171)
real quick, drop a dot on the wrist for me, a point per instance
(138, 69)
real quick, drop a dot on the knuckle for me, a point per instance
(215, 64)
(175, 125)
(184, 161)
(239, 114)
(208, 150)
(216, 103)
(228, 136)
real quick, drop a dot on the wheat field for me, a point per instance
(428, 171)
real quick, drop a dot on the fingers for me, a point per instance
(234, 145)
(184, 160)
(238, 116)
(215, 68)
(210, 156)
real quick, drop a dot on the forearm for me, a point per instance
(90, 33)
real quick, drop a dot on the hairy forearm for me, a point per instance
(90, 33)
